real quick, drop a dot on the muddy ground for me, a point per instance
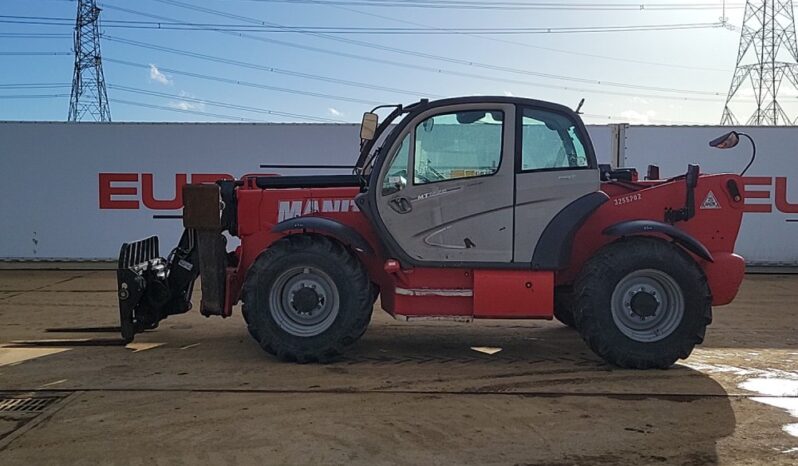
(201, 391)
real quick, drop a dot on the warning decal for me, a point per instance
(710, 202)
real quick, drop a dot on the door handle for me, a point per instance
(401, 205)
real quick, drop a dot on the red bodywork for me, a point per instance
(493, 293)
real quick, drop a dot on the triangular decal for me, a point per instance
(710, 202)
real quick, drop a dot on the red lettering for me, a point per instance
(757, 181)
(781, 197)
(107, 191)
(148, 197)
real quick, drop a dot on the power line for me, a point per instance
(33, 96)
(188, 26)
(34, 54)
(463, 62)
(35, 85)
(247, 83)
(223, 104)
(270, 69)
(357, 84)
(181, 110)
(27, 35)
(536, 47)
(499, 5)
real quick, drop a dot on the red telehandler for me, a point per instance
(463, 208)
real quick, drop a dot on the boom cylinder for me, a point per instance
(202, 213)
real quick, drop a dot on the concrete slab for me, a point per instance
(26, 280)
(406, 393)
(307, 428)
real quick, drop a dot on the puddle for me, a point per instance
(778, 388)
(772, 386)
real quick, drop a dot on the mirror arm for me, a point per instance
(753, 156)
(365, 149)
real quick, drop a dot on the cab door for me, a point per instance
(555, 166)
(446, 186)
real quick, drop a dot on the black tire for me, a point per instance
(375, 293)
(601, 292)
(346, 275)
(563, 306)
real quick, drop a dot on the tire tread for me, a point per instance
(591, 285)
(358, 287)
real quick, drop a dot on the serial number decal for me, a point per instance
(627, 199)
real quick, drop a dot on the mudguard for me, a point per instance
(553, 250)
(633, 227)
(338, 230)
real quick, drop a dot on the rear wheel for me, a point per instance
(307, 298)
(642, 303)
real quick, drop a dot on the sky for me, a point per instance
(643, 77)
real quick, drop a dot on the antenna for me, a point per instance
(579, 107)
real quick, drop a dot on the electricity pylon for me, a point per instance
(89, 99)
(767, 55)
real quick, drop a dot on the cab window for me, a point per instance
(458, 145)
(549, 140)
(396, 178)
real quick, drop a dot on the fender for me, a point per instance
(338, 230)
(554, 245)
(633, 227)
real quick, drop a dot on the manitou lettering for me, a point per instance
(291, 209)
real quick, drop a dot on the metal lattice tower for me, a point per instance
(89, 99)
(768, 53)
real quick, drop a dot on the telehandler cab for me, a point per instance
(463, 208)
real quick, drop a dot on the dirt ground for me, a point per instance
(200, 390)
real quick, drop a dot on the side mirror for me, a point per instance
(368, 127)
(727, 141)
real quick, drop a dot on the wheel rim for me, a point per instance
(304, 301)
(647, 305)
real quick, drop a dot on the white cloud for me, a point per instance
(639, 118)
(335, 112)
(639, 100)
(191, 102)
(508, 93)
(157, 76)
(185, 105)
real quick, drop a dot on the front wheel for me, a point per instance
(642, 303)
(307, 298)
(564, 306)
